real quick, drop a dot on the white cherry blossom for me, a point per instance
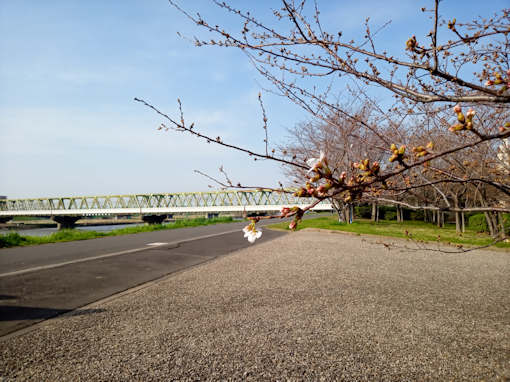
(315, 163)
(251, 233)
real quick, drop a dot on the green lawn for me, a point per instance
(417, 230)
(14, 239)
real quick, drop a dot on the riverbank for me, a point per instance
(48, 223)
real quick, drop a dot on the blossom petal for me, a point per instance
(312, 162)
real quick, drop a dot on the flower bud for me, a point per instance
(315, 178)
(457, 109)
(285, 211)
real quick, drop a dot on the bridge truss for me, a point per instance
(185, 202)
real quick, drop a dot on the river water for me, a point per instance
(50, 230)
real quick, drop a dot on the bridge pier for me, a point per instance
(5, 219)
(65, 222)
(212, 215)
(154, 219)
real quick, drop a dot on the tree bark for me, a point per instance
(440, 219)
(501, 225)
(375, 212)
(339, 208)
(489, 223)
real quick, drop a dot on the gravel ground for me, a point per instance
(307, 306)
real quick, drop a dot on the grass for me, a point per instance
(14, 239)
(27, 218)
(417, 230)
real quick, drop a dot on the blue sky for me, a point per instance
(69, 71)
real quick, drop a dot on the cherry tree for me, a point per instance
(450, 93)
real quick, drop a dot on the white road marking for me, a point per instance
(50, 266)
(156, 244)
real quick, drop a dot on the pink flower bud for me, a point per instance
(457, 108)
(293, 225)
(489, 83)
(470, 113)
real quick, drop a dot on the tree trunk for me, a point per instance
(440, 219)
(458, 222)
(489, 223)
(339, 208)
(495, 225)
(492, 223)
(501, 225)
(463, 222)
(375, 212)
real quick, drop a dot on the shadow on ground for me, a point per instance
(21, 313)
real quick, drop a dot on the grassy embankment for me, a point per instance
(417, 230)
(14, 239)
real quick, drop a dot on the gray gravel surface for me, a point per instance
(307, 306)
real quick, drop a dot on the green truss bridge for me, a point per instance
(154, 207)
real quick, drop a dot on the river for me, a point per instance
(49, 230)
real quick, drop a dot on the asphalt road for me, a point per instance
(40, 282)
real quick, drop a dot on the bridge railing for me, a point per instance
(213, 201)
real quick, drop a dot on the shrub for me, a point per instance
(363, 211)
(11, 240)
(479, 223)
(416, 215)
(390, 215)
